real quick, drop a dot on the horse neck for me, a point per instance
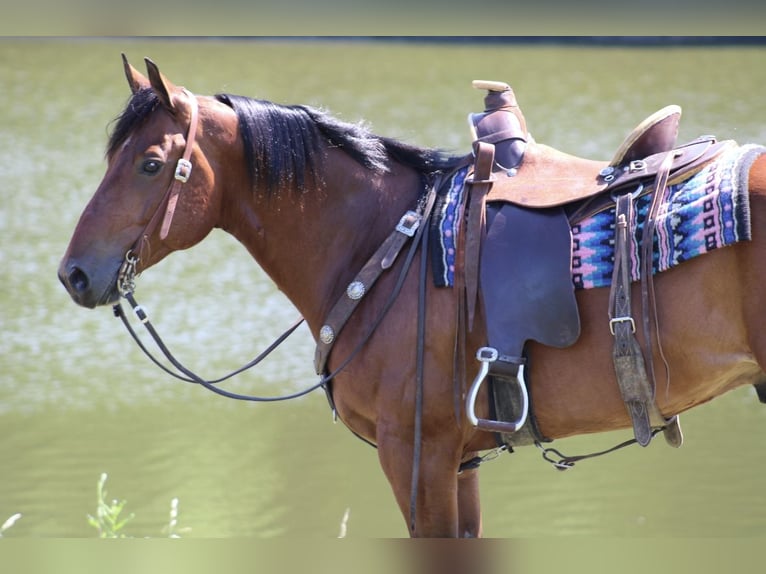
(313, 243)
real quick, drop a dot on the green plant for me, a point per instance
(108, 520)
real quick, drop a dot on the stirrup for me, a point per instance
(486, 356)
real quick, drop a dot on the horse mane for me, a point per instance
(282, 143)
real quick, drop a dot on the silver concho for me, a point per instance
(326, 334)
(355, 290)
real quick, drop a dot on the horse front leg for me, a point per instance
(436, 510)
(469, 506)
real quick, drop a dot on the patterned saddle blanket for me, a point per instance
(707, 211)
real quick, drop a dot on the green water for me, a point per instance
(77, 399)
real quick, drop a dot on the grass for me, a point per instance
(110, 519)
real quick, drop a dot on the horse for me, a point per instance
(312, 199)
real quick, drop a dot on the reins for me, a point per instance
(129, 271)
(188, 375)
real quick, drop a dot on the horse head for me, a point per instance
(157, 173)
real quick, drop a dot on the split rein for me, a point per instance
(188, 376)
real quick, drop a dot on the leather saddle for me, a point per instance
(523, 198)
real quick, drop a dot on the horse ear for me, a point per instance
(136, 80)
(161, 85)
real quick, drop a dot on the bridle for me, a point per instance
(126, 280)
(128, 273)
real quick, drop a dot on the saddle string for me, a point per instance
(648, 296)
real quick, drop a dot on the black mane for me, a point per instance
(282, 143)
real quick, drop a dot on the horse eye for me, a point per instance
(151, 166)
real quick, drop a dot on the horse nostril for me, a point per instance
(78, 280)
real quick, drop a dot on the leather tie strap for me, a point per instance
(480, 183)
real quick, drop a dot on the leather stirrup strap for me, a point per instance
(480, 183)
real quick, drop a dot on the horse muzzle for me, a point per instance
(89, 288)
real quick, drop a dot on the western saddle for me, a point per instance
(523, 198)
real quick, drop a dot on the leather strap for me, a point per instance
(649, 310)
(635, 387)
(480, 183)
(671, 427)
(183, 168)
(626, 354)
(696, 155)
(181, 175)
(382, 259)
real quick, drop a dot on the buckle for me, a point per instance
(616, 320)
(183, 170)
(409, 223)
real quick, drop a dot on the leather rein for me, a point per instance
(128, 273)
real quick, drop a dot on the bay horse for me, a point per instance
(312, 198)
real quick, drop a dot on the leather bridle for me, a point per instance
(126, 276)
(129, 270)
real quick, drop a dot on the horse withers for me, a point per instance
(314, 200)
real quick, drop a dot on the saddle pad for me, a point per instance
(708, 211)
(445, 226)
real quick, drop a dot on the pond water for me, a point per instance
(77, 398)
